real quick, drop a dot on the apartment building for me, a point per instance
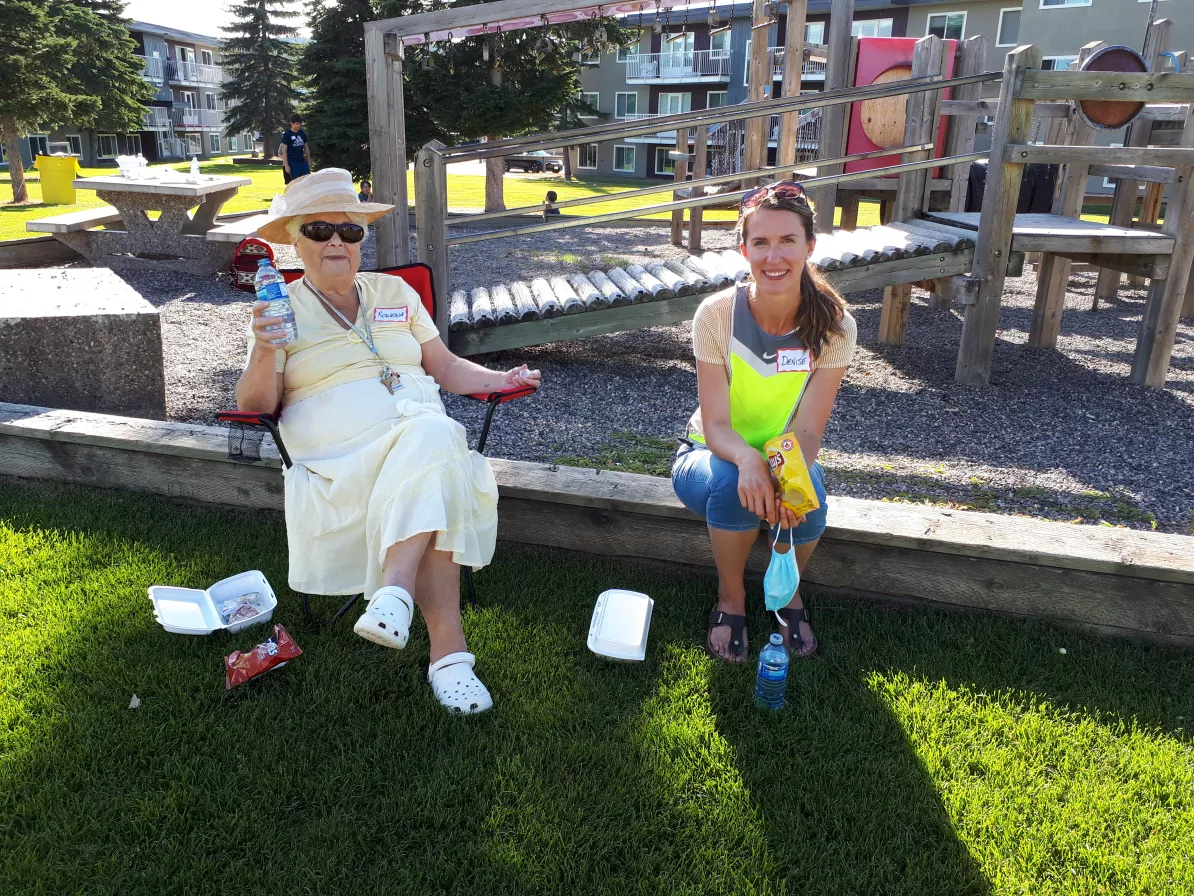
(184, 118)
(679, 63)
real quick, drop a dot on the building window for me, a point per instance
(586, 156)
(716, 98)
(631, 49)
(624, 159)
(1057, 63)
(719, 43)
(39, 144)
(206, 57)
(233, 144)
(674, 103)
(814, 32)
(947, 25)
(187, 98)
(194, 144)
(3, 158)
(1056, 4)
(76, 144)
(625, 104)
(664, 163)
(186, 54)
(1009, 28)
(107, 146)
(211, 101)
(588, 58)
(871, 28)
(594, 101)
(213, 143)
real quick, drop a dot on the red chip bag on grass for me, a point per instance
(240, 667)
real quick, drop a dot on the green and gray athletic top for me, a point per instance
(767, 373)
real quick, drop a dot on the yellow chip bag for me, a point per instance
(791, 474)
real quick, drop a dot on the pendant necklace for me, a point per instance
(388, 377)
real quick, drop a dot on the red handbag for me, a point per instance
(244, 262)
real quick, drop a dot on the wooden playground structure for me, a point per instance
(926, 238)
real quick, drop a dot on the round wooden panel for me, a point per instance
(1109, 115)
(883, 119)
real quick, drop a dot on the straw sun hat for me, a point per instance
(326, 190)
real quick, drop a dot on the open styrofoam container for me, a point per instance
(621, 622)
(191, 611)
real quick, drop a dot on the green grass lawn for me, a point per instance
(921, 753)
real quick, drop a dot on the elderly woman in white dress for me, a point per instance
(384, 496)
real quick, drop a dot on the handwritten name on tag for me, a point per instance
(390, 315)
(793, 360)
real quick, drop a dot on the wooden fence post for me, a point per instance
(972, 60)
(1053, 276)
(838, 74)
(1123, 202)
(1013, 122)
(1163, 307)
(681, 174)
(759, 65)
(431, 227)
(387, 145)
(700, 160)
(786, 145)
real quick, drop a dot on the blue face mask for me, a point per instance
(783, 575)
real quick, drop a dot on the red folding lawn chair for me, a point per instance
(418, 276)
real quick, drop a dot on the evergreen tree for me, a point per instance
(262, 70)
(64, 61)
(337, 107)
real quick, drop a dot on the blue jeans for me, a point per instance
(708, 486)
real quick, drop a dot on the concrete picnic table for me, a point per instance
(177, 240)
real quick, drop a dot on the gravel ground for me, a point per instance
(1058, 434)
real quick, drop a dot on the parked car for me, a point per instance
(539, 160)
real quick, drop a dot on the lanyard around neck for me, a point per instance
(366, 334)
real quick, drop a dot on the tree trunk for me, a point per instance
(495, 169)
(567, 163)
(16, 166)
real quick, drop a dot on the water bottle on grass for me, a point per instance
(772, 680)
(271, 287)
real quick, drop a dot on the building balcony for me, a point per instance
(186, 118)
(156, 118)
(678, 67)
(153, 69)
(814, 69)
(194, 73)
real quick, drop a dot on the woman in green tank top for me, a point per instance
(777, 369)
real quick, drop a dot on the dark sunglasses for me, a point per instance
(785, 189)
(321, 231)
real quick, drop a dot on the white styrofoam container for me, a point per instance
(191, 611)
(621, 622)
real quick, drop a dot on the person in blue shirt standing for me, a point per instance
(296, 158)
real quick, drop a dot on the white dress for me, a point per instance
(372, 469)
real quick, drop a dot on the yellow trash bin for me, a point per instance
(57, 179)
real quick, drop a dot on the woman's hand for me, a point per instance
(519, 376)
(261, 323)
(787, 519)
(756, 488)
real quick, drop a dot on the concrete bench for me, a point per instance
(75, 222)
(235, 231)
(80, 338)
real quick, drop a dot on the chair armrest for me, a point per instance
(252, 420)
(504, 395)
(247, 418)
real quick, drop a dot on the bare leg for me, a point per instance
(803, 552)
(438, 597)
(403, 560)
(730, 551)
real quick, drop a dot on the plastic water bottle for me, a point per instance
(772, 681)
(195, 166)
(271, 287)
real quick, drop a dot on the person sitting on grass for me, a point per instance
(384, 496)
(770, 356)
(549, 201)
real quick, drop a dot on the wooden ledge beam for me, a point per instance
(1027, 154)
(1065, 85)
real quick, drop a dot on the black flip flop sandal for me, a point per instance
(737, 626)
(793, 617)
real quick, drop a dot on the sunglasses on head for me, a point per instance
(321, 231)
(785, 189)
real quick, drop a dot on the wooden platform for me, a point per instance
(1063, 236)
(511, 315)
(1112, 581)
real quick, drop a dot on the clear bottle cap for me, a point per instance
(777, 639)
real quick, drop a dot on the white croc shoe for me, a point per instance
(456, 686)
(386, 621)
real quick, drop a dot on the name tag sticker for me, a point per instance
(390, 315)
(793, 360)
